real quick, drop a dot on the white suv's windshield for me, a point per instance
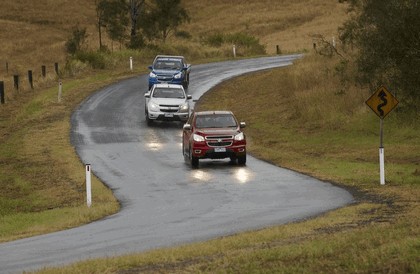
(215, 121)
(168, 93)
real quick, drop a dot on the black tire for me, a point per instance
(186, 82)
(148, 120)
(184, 153)
(242, 160)
(194, 160)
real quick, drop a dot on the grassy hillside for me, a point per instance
(34, 32)
(303, 118)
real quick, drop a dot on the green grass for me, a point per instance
(42, 177)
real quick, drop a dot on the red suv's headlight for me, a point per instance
(198, 138)
(240, 137)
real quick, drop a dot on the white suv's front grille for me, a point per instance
(169, 108)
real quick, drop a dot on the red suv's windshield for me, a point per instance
(215, 121)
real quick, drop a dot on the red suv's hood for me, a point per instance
(218, 131)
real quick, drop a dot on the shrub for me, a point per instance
(183, 34)
(250, 43)
(214, 40)
(246, 44)
(74, 67)
(97, 60)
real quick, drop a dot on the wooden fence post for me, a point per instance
(2, 92)
(30, 79)
(16, 82)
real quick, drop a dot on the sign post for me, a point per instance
(382, 102)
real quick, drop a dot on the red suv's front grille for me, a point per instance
(219, 141)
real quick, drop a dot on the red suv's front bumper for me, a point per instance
(202, 150)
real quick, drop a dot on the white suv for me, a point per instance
(167, 102)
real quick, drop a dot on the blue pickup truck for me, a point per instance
(169, 69)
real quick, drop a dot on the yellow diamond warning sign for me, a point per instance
(382, 102)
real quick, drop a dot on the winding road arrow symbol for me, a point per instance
(382, 102)
(382, 96)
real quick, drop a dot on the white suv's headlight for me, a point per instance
(178, 75)
(184, 107)
(153, 107)
(239, 137)
(152, 75)
(198, 138)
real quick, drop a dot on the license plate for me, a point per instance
(220, 149)
(169, 115)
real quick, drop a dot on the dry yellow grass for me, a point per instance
(33, 33)
(289, 24)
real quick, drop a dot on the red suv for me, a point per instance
(213, 135)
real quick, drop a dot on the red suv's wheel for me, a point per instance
(194, 160)
(242, 160)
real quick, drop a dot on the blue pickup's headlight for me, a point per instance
(178, 75)
(152, 75)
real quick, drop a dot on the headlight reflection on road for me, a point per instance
(201, 175)
(152, 142)
(242, 175)
(154, 146)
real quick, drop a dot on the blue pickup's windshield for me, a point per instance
(168, 93)
(215, 121)
(168, 64)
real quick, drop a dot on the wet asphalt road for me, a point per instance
(164, 201)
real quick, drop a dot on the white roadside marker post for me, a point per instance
(131, 63)
(60, 90)
(88, 186)
(381, 155)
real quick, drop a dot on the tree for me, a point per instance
(100, 16)
(157, 19)
(75, 43)
(117, 16)
(164, 17)
(386, 36)
(113, 16)
(136, 8)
